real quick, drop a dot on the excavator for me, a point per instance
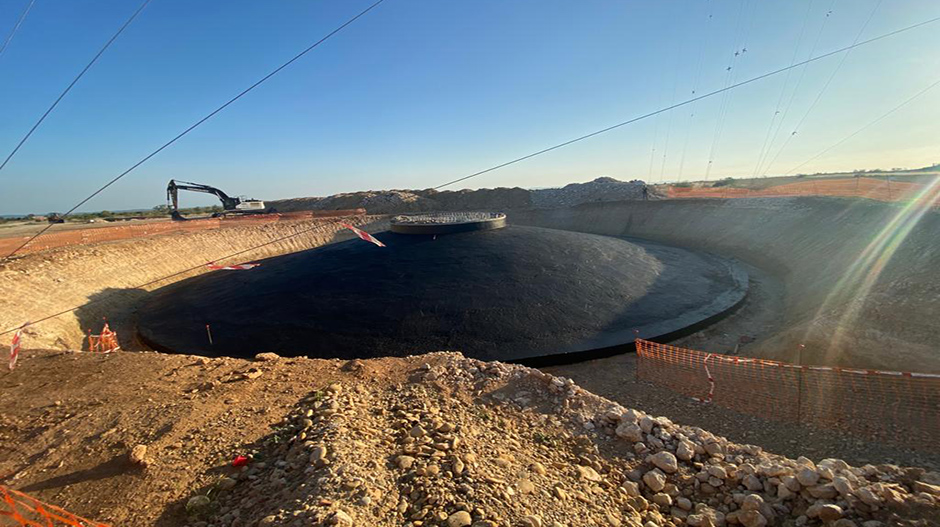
(230, 205)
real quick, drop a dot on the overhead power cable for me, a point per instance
(689, 101)
(201, 121)
(560, 145)
(73, 83)
(314, 227)
(866, 127)
(822, 91)
(695, 81)
(16, 26)
(737, 50)
(793, 94)
(783, 89)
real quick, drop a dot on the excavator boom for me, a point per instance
(229, 204)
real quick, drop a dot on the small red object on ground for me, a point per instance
(239, 461)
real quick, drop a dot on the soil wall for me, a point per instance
(861, 287)
(105, 278)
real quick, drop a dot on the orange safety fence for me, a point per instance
(899, 406)
(121, 232)
(870, 188)
(17, 508)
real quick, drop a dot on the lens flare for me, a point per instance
(853, 289)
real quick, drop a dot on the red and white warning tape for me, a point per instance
(770, 363)
(645, 345)
(15, 345)
(363, 235)
(239, 267)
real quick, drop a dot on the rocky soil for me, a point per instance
(466, 443)
(601, 189)
(151, 439)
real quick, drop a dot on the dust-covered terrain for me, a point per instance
(149, 439)
(445, 440)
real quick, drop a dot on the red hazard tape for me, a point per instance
(239, 267)
(15, 345)
(363, 235)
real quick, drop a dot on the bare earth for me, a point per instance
(491, 444)
(429, 440)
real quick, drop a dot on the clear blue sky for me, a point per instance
(420, 92)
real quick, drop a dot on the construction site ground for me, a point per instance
(69, 419)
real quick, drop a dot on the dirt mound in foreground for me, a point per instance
(431, 440)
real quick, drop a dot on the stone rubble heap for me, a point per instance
(601, 189)
(499, 199)
(467, 443)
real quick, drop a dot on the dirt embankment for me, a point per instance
(859, 277)
(402, 201)
(149, 439)
(105, 278)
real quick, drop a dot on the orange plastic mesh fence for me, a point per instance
(122, 232)
(17, 508)
(900, 406)
(103, 343)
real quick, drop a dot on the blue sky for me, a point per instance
(421, 92)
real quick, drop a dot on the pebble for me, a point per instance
(807, 477)
(531, 521)
(629, 431)
(666, 462)
(138, 455)
(752, 518)
(589, 473)
(655, 480)
(340, 518)
(459, 519)
(829, 512)
(525, 486)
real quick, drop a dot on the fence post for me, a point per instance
(799, 392)
(636, 350)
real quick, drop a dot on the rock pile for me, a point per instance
(601, 189)
(402, 201)
(476, 444)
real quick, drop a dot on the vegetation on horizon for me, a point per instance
(160, 211)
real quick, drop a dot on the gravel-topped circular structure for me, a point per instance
(512, 293)
(447, 222)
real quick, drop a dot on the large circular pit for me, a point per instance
(511, 293)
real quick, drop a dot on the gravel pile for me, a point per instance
(402, 201)
(601, 189)
(468, 443)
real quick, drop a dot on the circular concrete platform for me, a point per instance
(514, 293)
(447, 222)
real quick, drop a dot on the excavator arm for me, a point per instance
(173, 188)
(229, 204)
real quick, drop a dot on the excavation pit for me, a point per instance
(512, 294)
